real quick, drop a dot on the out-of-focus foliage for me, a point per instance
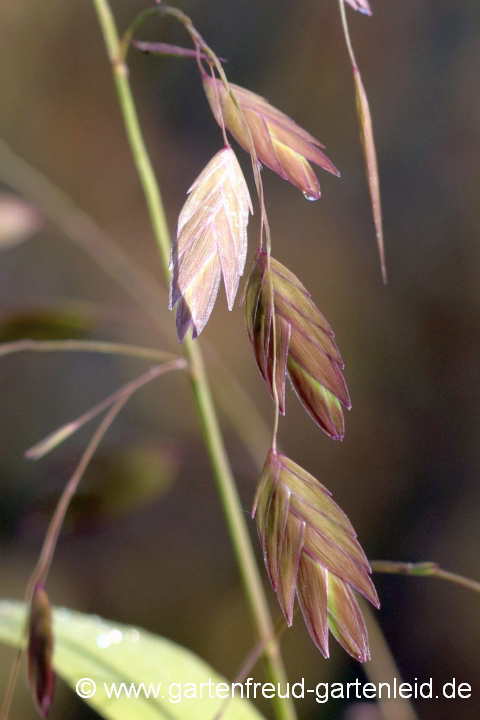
(18, 220)
(101, 653)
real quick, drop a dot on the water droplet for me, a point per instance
(115, 636)
(312, 198)
(103, 641)
(133, 636)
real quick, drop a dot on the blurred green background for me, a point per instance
(145, 541)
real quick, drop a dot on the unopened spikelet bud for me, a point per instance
(211, 242)
(280, 143)
(304, 344)
(311, 551)
(41, 676)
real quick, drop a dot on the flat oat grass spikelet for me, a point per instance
(211, 242)
(305, 345)
(280, 144)
(310, 549)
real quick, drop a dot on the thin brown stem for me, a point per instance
(424, 569)
(58, 436)
(346, 33)
(217, 100)
(12, 680)
(368, 143)
(88, 346)
(46, 555)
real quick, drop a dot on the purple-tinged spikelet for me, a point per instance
(305, 346)
(210, 243)
(41, 676)
(311, 551)
(280, 143)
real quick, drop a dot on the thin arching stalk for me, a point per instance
(142, 287)
(88, 346)
(54, 439)
(213, 439)
(43, 565)
(50, 542)
(424, 569)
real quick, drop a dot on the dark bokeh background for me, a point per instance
(145, 542)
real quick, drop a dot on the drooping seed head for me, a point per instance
(279, 142)
(311, 551)
(305, 346)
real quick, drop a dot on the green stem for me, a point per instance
(234, 515)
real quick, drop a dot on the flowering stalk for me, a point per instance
(249, 424)
(213, 439)
(218, 93)
(288, 334)
(204, 51)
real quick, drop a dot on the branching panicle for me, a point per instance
(310, 548)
